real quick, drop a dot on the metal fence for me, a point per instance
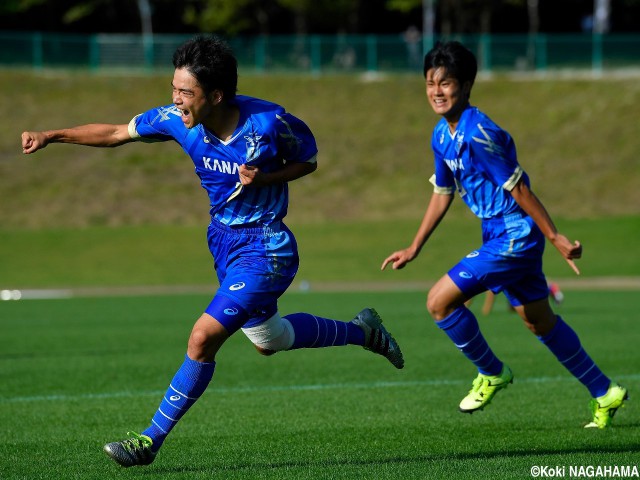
(319, 54)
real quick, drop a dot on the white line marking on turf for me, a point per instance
(282, 388)
(631, 283)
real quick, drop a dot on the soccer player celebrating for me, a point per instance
(478, 159)
(245, 151)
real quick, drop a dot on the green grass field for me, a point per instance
(330, 253)
(77, 373)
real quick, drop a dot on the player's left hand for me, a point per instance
(568, 250)
(251, 175)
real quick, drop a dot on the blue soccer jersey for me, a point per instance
(479, 161)
(266, 137)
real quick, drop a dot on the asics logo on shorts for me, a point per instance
(230, 311)
(237, 286)
(473, 254)
(466, 275)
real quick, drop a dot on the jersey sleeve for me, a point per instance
(295, 141)
(442, 180)
(494, 152)
(155, 125)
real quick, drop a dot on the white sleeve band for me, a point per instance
(513, 179)
(275, 334)
(440, 190)
(133, 133)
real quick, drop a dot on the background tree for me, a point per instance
(250, 17)
(233, 17)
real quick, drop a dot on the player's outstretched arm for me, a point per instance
(93, 135)
(436, 210)
(534, 208)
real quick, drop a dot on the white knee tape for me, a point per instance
(275, 334)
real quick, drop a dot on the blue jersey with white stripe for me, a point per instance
(266, 136)
(479, 160)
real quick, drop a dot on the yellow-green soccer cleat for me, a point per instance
(132, 451)
(376, 337)
(605, 407)
(484, 389)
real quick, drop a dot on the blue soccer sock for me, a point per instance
(565, 345)
(462, 328)
(312, 331)
(189, 382)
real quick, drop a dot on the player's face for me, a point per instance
(189, 97)
(445, 94)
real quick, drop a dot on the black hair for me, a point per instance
(455, 58)
(211, 61)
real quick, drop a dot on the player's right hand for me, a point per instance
(568, 250)
(399, 259)
(33, 141)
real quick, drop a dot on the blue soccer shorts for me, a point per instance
(255, 266)
(509, 261)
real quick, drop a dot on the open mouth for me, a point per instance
(185, 116)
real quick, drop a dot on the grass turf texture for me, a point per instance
(576, 138)
(331, 252)
(77, 373)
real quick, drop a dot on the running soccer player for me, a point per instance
(245, 151)
(478, 159)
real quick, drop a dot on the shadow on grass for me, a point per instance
(426, 459)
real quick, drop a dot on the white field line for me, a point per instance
(302, 286)
(282, 388)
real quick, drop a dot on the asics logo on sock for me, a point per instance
(473, 254)
(237, 286)
(465, 275)
(174, 398)
(230, 311)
